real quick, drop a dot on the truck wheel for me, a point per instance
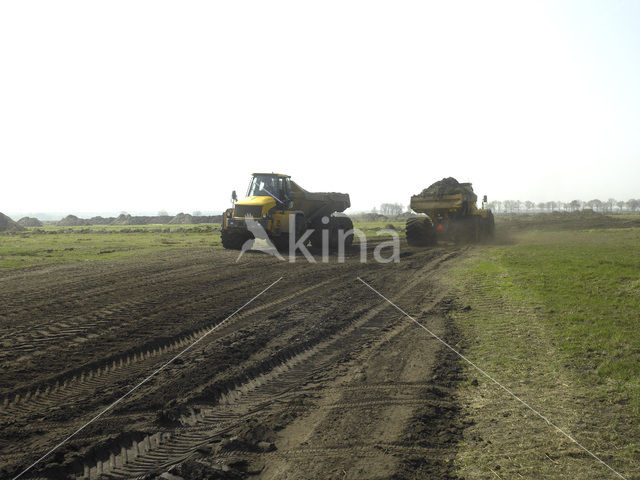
(233, 240)
(346, 225)
(420, 232)
(335, 225)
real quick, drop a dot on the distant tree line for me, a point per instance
(390, 209)
(609, 206)
(517, 206)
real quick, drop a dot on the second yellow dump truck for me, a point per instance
(449, 213)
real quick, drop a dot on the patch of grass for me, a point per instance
(152, 228)
(589, 283)
(555, 317)
(42, 246)
(371, 229)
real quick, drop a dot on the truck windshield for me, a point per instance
(263, 185)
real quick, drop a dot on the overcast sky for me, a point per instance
(147, 106)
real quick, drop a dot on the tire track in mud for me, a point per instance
(56, 390)
(82, 328)
(75, 389)
(163, 320)
(57, 324)
(380, 416)
(249, 398)
(245, 400)
(66, 294)
(37, 281)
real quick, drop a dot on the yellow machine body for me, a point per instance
(449, 216)
(273, 200)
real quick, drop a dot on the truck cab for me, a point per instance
(271, 185)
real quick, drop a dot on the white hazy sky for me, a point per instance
(143, 106)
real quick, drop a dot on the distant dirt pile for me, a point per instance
(29, 222)
(182, 219)
(72, 221)
(100, 221)
(8, 225)
(449, 186)
(127, 219)
(123, 219)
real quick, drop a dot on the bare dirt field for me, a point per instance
(316, 378)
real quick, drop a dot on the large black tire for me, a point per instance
(335, 225)
(420, 232)
(346, 225)
(233, 240)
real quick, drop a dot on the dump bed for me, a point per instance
(446, 195)
(339, 201)
(445, 202)
(319, 204)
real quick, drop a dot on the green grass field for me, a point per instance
(554, 317)
(46, 245)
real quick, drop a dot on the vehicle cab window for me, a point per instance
(266, 186)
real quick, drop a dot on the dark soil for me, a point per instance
(317, 377)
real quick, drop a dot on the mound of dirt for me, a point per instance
(123, 219)
(182, 219)
(8, 225)
(160, 219)
(126, 219)
(72, 221)
(100, 220)
(449, 186)
(29, 222)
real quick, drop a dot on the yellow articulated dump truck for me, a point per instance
(450, 213)
(286, 212)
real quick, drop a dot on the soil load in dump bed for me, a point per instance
(449, 186)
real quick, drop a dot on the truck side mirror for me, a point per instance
(234, 196)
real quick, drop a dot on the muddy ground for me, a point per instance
(317, 378)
